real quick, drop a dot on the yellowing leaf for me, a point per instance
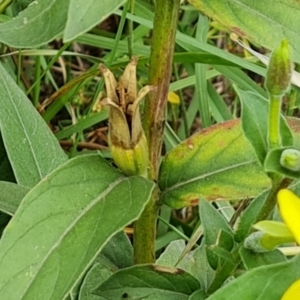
(173, 98)
(293, 291)
(289, 206)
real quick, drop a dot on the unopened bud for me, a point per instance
(279, 70)
(290, 159)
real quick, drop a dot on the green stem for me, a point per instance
(130, 29)
(277, 184)
(274, 137)
(160, 68)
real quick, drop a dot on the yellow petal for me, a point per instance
(289, 206)
(173, 98)
(293, 292)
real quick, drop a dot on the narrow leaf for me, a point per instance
(32, 149)
(63, 223)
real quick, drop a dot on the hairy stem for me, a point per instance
(160, 68)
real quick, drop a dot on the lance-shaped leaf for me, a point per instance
(63, 223)
(31, 147)
(216, 163)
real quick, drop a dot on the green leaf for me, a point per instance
(198, 295)
(255, 110)
(253, 260)
(249, 216)
(264, 22)
(272, 164)
(216, 163)
(118, 251)
(83, 15)
(150, 282)
(11, 196)
(201, 269)
(41, 22)
(215, 228)
(266, 282)
(32, 149)
(171, 254)
(97, 274)
(63, 223)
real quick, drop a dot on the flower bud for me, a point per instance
(127, 139)
(253, 242)
(290, 159)
(279, 70)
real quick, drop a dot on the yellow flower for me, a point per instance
(293, 292)
(289, 206)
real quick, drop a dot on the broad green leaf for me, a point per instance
(255, 110)
(216, 163)
(253, 259)
(41, 22)
(149, 282)
(264, 22)
(266, 282)
(85, 14)
(272, 163)
(63, 223)
(11, 196)
(31, 147)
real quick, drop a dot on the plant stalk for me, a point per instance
(160, 69)
(274, 137)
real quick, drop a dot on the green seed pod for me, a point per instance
(279, 70)
(290, 159)
(127, 139)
